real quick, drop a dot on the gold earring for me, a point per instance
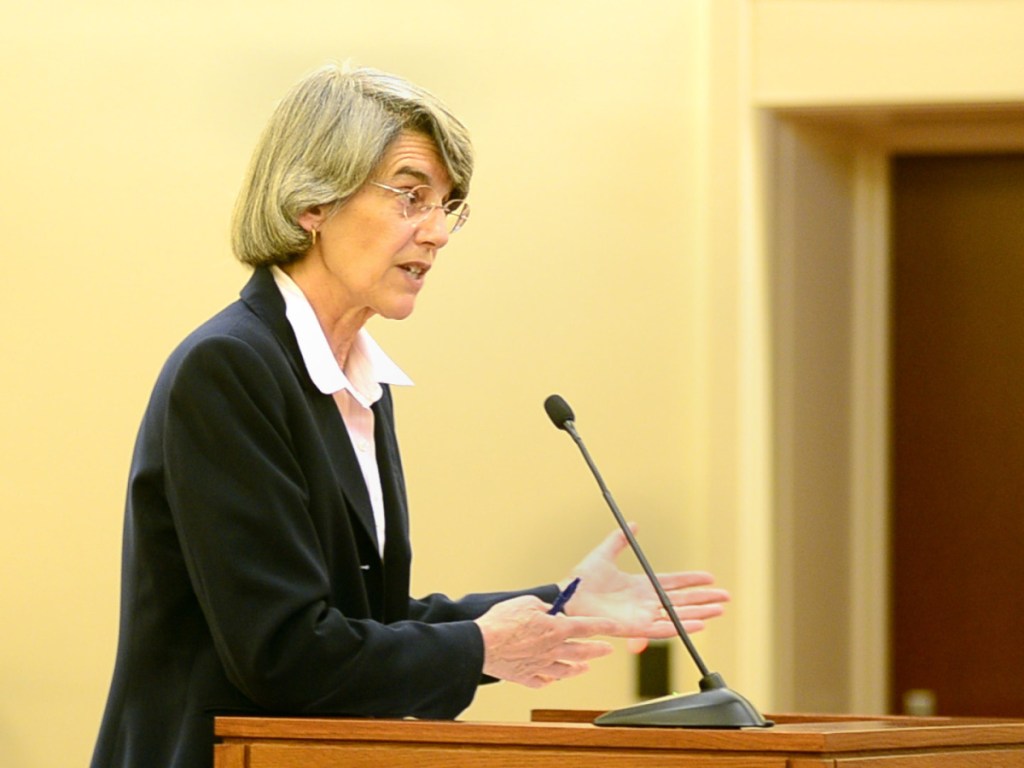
(312, 232)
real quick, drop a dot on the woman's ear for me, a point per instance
(312, 218)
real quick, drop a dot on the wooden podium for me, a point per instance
(566, 739)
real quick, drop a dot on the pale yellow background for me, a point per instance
(611, 257)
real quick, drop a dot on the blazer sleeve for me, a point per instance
(239, 500)
(438, 608)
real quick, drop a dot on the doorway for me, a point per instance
(827, 193)
(957, 435)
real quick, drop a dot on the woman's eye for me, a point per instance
(418, 196)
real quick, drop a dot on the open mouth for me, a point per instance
(416, 270)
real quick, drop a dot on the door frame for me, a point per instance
(855, 142)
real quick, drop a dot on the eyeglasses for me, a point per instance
(419, 202)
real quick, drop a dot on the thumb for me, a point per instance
(615, 542)
(636, 644)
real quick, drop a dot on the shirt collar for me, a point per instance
(367, 367)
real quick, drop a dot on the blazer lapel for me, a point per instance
(397, 551)
(261, 295)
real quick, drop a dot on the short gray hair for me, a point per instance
(322, 142)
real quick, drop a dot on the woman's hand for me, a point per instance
(525, 644)
(630, 601)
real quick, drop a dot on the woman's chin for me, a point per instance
(398, 311)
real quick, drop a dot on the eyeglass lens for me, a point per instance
(418, 205)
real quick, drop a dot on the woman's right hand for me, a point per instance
(526, 645)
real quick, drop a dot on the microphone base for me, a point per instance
(716, 706)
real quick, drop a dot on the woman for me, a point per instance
(266, 555)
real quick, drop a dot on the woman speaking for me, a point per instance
(266, 551)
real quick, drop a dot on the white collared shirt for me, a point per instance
(354, 389)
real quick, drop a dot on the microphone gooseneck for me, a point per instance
(716, 706)
(562, 416)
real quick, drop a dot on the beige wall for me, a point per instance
(616, 255)
(845, 52)
(125, 130)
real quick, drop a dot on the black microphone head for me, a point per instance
(558, 411)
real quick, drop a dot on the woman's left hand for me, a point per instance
(606, 591)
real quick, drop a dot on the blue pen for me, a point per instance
(563, 597)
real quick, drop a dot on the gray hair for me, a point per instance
(323, 141)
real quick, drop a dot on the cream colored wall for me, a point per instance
(847, 52)
(125, 130)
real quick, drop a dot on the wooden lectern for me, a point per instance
(566, 739)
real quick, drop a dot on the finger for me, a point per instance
(575, 650)
(561, 669)
(691, 613)
(685, 579)
(572, 670)
(659, 625)
(542, 679)
(662, 630)
(535, 681)
(666, 629)
(636, 644)
(681, 598)
(709, 611)
(584, 626)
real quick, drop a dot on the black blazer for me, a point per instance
(251, 579)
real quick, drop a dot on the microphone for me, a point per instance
(716, 705)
